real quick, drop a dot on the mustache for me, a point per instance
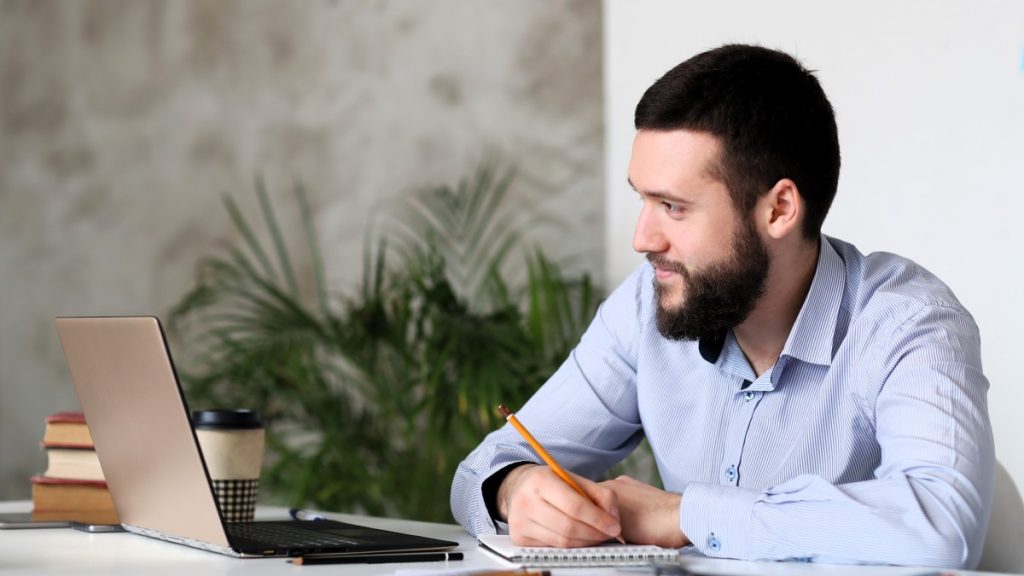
(659, 261)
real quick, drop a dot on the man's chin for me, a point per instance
(669, 309)
(671, 324)
(670, 301)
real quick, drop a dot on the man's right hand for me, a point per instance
(542, 510)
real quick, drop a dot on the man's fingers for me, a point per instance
(576, 518)
(552, 527)
(599, 510)
(547, 511)
(542, 536)
(605, 498)
(546, 525)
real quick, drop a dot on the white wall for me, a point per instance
(929, 97)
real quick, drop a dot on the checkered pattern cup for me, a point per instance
(232, 445)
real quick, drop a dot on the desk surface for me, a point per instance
(67, 551)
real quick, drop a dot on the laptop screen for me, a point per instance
(126, 383)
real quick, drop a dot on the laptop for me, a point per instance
(128, 388)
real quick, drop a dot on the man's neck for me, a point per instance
(765, 331)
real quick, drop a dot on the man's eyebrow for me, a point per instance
(661, 195)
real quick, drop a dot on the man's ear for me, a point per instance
(782, 209)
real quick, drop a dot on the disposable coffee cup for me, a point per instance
(232, 445)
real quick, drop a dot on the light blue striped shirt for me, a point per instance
(868, 441)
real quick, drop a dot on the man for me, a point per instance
(802, 400)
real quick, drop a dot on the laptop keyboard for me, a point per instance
(285, 535)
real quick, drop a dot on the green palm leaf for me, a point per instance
(373, 398)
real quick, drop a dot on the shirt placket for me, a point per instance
(743, 406)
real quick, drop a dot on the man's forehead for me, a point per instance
(664, 157)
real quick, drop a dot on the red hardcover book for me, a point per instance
(83, 500)
(67, 430)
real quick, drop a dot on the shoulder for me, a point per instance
(896, 292)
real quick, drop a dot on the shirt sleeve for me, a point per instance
(585, 415)
(929, 501)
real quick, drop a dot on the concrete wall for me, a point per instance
(121, 123)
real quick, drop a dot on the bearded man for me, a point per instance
(802, 400)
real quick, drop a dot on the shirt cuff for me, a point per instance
(716, 518)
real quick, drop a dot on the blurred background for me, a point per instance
(124, 122)
(469, 135)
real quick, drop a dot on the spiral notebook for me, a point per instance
(611, 554)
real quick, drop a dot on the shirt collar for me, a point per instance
(710, 347)
(813, 334)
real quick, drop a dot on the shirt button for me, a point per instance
(713, 543)
(748, 396)
(730, 473)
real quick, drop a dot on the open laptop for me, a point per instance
(139, 420)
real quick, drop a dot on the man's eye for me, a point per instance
(672, 208)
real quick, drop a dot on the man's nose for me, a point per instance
(648, 236)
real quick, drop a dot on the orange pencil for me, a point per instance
(548, 459)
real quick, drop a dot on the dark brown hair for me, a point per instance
(770, 115)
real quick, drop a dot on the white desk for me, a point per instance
(67, 551)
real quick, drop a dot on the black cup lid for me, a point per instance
(241, 419)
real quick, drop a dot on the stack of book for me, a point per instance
(72, 488)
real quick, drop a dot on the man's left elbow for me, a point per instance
(951, 549)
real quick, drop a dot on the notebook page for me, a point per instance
(610, 554)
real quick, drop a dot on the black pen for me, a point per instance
(376, 558)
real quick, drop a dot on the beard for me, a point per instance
(718, 297)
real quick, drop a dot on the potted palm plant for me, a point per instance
(372, 398)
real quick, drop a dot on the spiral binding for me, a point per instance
(603, 556)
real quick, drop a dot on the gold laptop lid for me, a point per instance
(139, 422)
